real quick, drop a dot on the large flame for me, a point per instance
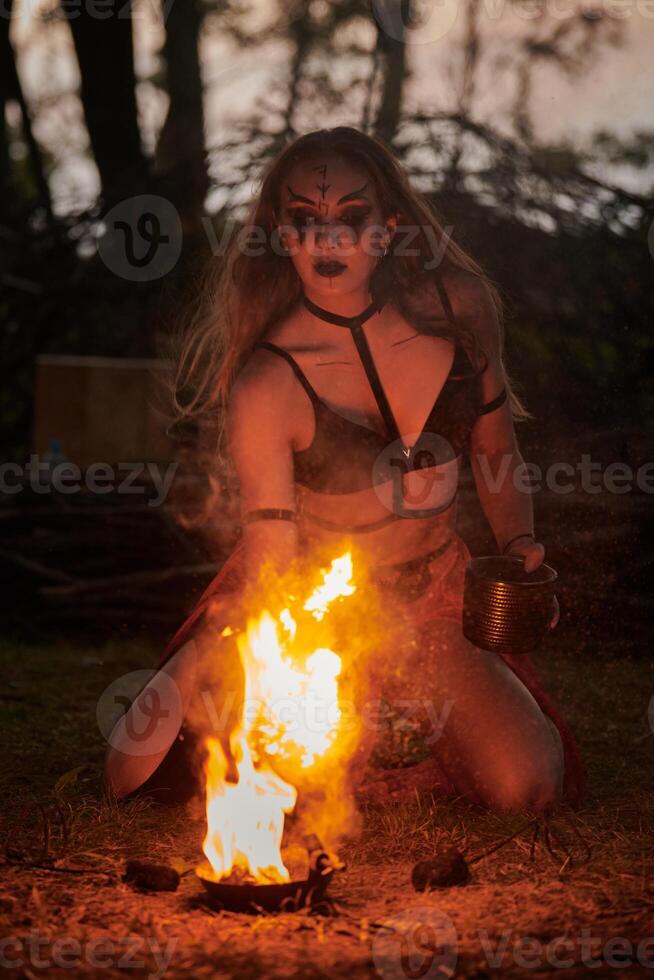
(246, 799)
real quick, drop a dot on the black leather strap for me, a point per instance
(297, 370)
(361, 342)
(491, 406)
(415, 563)
(269, 514)
(337, 318)
(409, 579)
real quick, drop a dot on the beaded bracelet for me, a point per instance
(508, 544)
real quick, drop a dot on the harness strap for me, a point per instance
(361, 342)
(445, 299)
(361, 528)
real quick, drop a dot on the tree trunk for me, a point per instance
(106, 60)
(180, 158)
(6, 58)
(10, 88)
(394, 71)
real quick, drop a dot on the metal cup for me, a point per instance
(504, 607)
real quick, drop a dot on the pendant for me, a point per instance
(407, 452)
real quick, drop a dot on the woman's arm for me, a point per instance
(261, 422)
(495, 458)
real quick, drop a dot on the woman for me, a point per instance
(359, 355)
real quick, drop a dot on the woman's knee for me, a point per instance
(519, 792)
(528, 780)
(497, 727)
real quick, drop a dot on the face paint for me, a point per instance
(331, 213)
(303, 217)
(323, 207)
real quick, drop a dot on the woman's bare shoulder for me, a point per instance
(261, 427)
(265, 399)
(263, 377)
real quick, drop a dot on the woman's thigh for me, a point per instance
(479, 719)
(200, 686)
(143, 736)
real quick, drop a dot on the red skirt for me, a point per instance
(441, 600)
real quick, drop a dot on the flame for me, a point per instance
(337, 583)
(245, 820)
(246, 799)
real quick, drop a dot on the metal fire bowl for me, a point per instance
(286, 897)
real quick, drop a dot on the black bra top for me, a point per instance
(345, 457)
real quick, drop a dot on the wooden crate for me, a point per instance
(101, 409)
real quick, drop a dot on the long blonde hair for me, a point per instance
(245, 293)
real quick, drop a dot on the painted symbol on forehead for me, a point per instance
(323, 207)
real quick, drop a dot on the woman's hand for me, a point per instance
(533, 553)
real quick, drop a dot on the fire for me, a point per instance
(246, 799)
(245, 820)
(337, 582)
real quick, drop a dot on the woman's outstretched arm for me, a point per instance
(262, 427)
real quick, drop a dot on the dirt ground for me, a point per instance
(510, 914)
(520, 914)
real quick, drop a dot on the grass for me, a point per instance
(50, 729)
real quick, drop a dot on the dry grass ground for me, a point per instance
(505, 921)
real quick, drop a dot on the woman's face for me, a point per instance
(331, 223)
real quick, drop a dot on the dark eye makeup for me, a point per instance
(354, 217)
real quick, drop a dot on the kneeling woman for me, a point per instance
(357, 367)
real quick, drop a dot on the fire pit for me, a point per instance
(253, 774)
(288, 896)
